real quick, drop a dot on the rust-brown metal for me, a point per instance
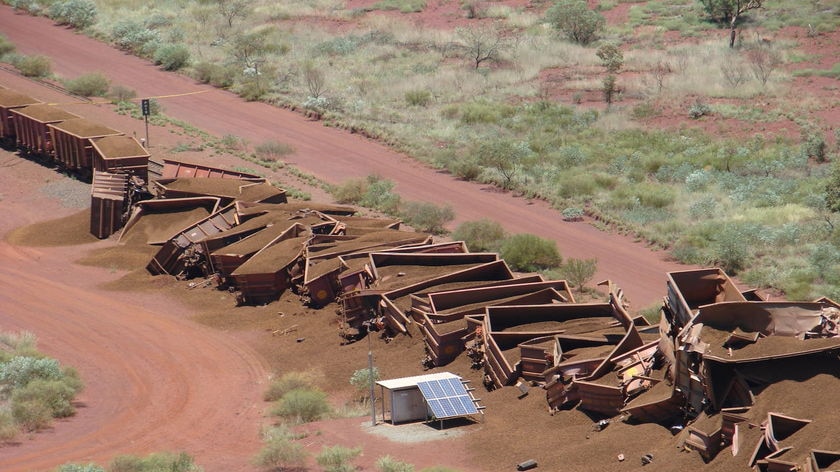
(173, 169)
(10, 100)
(109, 193)
(121, 153)
(72, 141)
(32, 130)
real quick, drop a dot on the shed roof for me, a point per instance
(409, 382)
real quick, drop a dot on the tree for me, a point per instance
(503, 155)
(763, 60)
(612, 59)
(574, 19)
(250, 49)
(580, 271)
(483, 43)
(730, 11)
(232, 9)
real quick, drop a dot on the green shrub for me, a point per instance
(530, 253)
(403, 6)
(379, 195)
(418, 98)
(55, 394)
(20, 370)
(31, 415)
(483, 235)
(280, 451)
(427, 217)
(351, 191)
(572, 214)
(91, 467)
(575, 20)
(302, 405)
(134, 36)
(157, 462)
(172, 56)
(285, 384)
(89, 85)
(8, 428)
(389, 464)
(337, 458)
(699, 109)
(580, 271)
(272, 151)
(33, 66)
(6, 46)
(76, 13)
(214, 74)
(361, 380)
(121, 93)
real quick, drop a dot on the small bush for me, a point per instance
(302, 405)
(20, 370)
(428, 217)
(379, 195)
(699, 109)
(230, 142)
(483, 235)
(337, 458)
(418, 98)
(6, 46)
(89, 85)
(572, 214)
(285, 384)
(272, 151)
(361, 380)
(580, 271)
(574, 19)
(134, 36)
(8, 428)
(157, 462)
(55, 394)
(389, 464)
(121, 93)
(33, 66)
(214, 74)
(76, 13)
(351, 191)
(172, 56)
(91, 467)
(31, 415)
(280, 451)
(529, 253)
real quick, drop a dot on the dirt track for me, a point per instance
(334, 155)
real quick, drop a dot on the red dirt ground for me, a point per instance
(145, 398)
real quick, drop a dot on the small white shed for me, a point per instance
(408, 402)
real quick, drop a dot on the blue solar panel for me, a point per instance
(447, 398)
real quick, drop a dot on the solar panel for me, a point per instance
(447, 398)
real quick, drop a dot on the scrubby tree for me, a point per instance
(503, 155)
(574, 19)
(251, 49)
(729, 11)
(231, 10)
(530, 253)
(612, 59)
(361, 380)
(763, 60)
(483, 43)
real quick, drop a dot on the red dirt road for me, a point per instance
(154, 380)
(335, 155)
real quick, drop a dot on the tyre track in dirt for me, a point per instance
(336, 155)
(154, 380)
